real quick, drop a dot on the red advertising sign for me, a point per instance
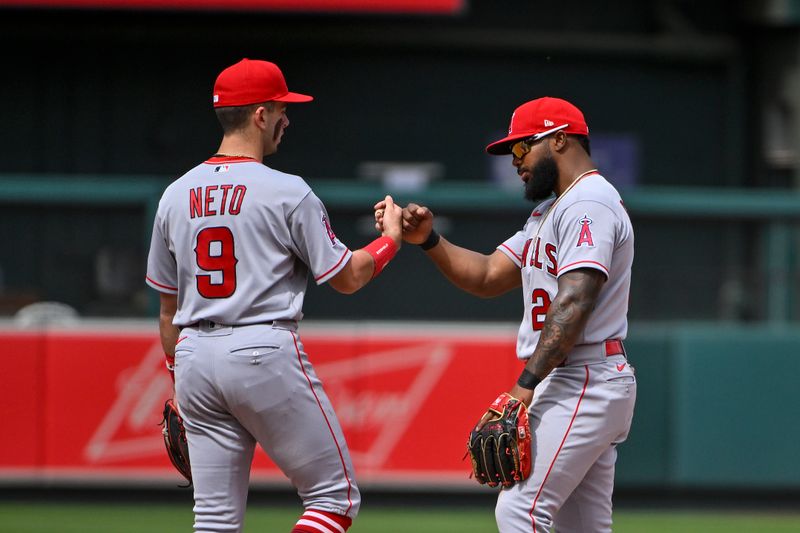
(87, 404)
(22, 403)
(331, 6)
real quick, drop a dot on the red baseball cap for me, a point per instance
(252, 81)
(538, 118)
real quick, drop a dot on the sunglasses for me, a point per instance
(524, 146)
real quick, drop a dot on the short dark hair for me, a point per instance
(583, 140)
(234, 118)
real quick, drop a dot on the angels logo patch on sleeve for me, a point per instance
(585, 237)
(327, 224)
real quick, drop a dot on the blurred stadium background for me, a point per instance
(694, 111)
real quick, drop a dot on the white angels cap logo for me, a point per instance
(216, 98)
(511, 126)
(549, 123)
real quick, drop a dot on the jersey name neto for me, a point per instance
(214, 200)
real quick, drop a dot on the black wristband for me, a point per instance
(431, 241)
(528, 380)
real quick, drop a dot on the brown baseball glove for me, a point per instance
(501, 450)
(175, 440)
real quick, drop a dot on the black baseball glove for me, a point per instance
(501, 450)
(175, 440)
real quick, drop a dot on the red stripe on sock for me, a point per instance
(312, 515)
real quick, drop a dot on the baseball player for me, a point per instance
(233, 244)
(573, 259)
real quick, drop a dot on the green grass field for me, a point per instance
(149, 518)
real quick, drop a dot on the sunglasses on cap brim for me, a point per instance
(520, 148)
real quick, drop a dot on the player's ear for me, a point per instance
(559, 141)
(259, 116)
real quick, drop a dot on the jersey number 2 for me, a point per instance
(541, 303)
(215, 253)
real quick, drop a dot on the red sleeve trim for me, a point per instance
(504, 248)
(593, 264)
(334, 267)
(519, 258)
(160, 285)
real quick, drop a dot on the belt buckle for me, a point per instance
(614, 347)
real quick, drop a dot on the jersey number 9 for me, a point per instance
(215, 253)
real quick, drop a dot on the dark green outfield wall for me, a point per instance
(717, 408)
(701, 254)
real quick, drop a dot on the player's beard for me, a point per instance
(542, 182)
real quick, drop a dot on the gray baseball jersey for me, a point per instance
(584, 408)
(247, 236)
(237, 242)
(587, 228)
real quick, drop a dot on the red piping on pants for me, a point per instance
(574, 415)
(338, 449)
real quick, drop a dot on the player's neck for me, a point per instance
(235, 147)
(569, 175)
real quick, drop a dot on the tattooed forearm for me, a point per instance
(566, 318)
(561, 328)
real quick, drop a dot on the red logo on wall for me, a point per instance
(129, 429)
(92, 400)
(375, 395)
